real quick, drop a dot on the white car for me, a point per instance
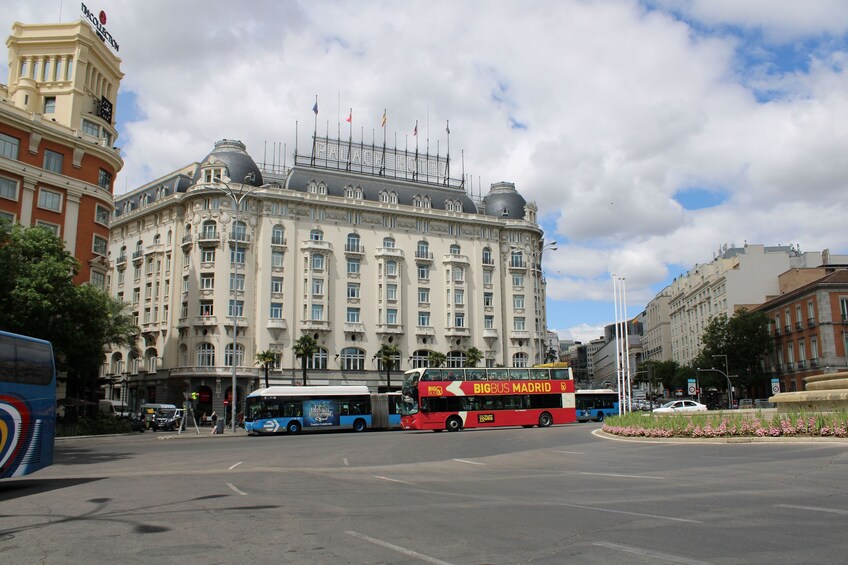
(681, 406)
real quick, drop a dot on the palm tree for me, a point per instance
(305, 347)
(473, 356)
(387, 354)
(436, 359)
(266, 359)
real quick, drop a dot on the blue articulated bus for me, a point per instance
(27, 404)
(596, 404)
(294, 409)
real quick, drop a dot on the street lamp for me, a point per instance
(236, 194)
(536, 254)
(729, 386)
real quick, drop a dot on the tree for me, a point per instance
(266, 359)
(436, 359)
(304, 348)
(39, 299)
(744, 338)
(552, 355)
(473, 356)
(387, 354)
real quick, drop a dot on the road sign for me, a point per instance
(693, 387)
(775, 386)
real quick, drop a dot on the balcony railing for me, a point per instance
(424, 256)
(278, 241)
(787, 329)
(811, 322)
(354, 249)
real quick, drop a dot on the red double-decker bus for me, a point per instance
(457, 398)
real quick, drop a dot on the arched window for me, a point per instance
(239, 232)
(157, 239)
(487, 256)
(519, 359)
(384, 196)
(150, 358)
(393, 197)
(318, 360)
(517, 258)
(228, 355)
(316, 235)
(352, 359)
(209, 230)
(455, 359)
(420, 358)
(205, 355)
(352, 243)
(278, 235)
(416, 201)
(425, 202)
(395, 363)
(318, 262)
(388, 242)
(422, 250)
(117, 364)
(449, 205)
(183, 355)
(457, 206)
(455, 249)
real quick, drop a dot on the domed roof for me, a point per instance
(503, 201)
(240, 167)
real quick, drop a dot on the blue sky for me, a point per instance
(649, 133)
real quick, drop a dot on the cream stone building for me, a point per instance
(355, 246)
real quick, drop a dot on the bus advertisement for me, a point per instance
(294, 409)
(596, 404)
(27, 404)
(458, 398)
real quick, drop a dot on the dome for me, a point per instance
(240, 167)
(503, 201)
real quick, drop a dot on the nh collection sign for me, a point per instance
(99, 23)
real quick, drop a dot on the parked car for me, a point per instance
(745, 403)
(168, 419)
(680, 406)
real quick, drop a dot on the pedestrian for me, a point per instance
(214, 418)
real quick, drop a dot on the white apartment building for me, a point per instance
(738, 277)
(354, 246)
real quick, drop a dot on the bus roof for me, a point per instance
(595, 391)
(316, 390)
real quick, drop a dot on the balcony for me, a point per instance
(790, 366)
(121, 261)
(389, 329)
(519, 334)
(277, 241)
(423, 257)
(776, 332)
(811, 322)
(208, 239)
(240, 239)
(205, 321)
(490, 333)
(354, 327)
(457, 332)
(814, 363)
(186, 242)
(787, 330)
(517, 266)
(798, 326)
(456, 259)
(138, 256)
(488, 262)
(277, 324)
(425, 330)
(802, 364)
(315, 245)
(315, 325)
(389, 252)
(354, 250)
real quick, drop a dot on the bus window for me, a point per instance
(539, 374)
(498, 374)
(562, 374)
(452, 375)
(432, 375)
(518, 374)
(475, 374)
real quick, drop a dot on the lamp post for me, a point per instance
(536, 254)
(726, 372)
(729, 386)
(237, 195)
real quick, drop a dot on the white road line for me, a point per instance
(651, 554)
(469, 462)
(345, 462)
(612, 511)
(399, 549)
(814, 508)
(622, 476)
(236, 489)
(569, 452)
(236, 465)
(392, 480)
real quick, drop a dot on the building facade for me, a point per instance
(340, 247)
(58, 160)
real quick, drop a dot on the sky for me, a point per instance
(649, 133)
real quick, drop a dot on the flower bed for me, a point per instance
(705, 425)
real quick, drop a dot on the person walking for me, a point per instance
(214, 418)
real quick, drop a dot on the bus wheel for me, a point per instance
(359, 425)
(600, 417)
(293, 427)
(545, 420)
(454, 424)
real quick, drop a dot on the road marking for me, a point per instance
(393, 480)
(236, 489)
(622, 476)
(345, 462)
(399, 549)
(651, 554)
(610, 510)
(469, 462)
(814, 508)
(569, 452)
(236, 465)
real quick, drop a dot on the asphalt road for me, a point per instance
(555, 495)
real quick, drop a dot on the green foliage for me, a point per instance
(744, 338)
(436, 359)
(39, 299)
(473, 356)
(304, 348)
(387, 354)
(99, 424)
(266, 359)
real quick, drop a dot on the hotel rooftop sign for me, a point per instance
(99, 23)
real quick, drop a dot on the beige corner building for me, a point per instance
(356, 246)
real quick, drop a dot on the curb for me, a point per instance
(736, 439)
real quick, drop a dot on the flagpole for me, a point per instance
(314, 131)
(447, 164)
(349, 137)
(383, 158)
(415, 169)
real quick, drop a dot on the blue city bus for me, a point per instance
(294, 409)
(27, 404)
(596, 404)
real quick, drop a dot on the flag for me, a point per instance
(415, 131)
(447, 128)
(383, 121)
(350, 116)
(315, 108)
